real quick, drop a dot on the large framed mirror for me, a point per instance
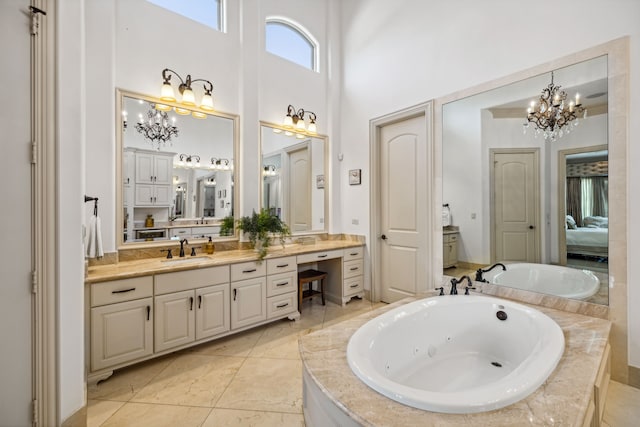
(510, 195)
(294, 178)
(176, 171)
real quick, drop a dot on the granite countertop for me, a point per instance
(561, 401)
(148, 266)
(450, 229)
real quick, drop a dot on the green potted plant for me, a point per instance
(260, 227)
(226, 227)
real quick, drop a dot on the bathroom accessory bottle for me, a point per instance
(149, 221)
(209, 247)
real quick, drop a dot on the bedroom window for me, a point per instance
(207, 12)
(290, 41)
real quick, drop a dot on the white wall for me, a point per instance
(401, 53)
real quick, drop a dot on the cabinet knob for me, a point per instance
(383, 237)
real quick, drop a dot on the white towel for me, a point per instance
(94, 239)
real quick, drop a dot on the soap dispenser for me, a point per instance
(209, 247)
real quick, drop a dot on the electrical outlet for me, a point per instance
(355, 221)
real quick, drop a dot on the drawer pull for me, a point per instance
(199, 302)
(282, 283)
(148, 312)
(235, 293)
(353, 268)
(190, 303)
(123, 291)
(282, 305)
(354, 286)
(353, 253)
(249, 271)
(282, 265)
(323, 256)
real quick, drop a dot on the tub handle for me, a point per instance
(466, 289)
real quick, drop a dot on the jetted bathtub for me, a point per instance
(547, 279)
(456, 353)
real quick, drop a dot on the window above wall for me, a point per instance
(206, 12)
(290, 41)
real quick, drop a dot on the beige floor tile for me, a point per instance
(266, 385)
(238, 345)
(98, 411)
(279, 342)
(125, 383)
(335, 314)
(143, 415)
(237, 418)
(193, 380)
(622, 408)
(311, 317)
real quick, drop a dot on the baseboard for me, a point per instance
(634, 376)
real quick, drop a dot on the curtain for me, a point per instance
(600, 195)
(574, 199)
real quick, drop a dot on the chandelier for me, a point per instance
(157, 127)
(551, 115)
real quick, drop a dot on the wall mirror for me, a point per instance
(294, 179)
(177, 168)
(514, 196)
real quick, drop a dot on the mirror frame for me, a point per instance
(327, 185)
(120, 94)
(618, 61)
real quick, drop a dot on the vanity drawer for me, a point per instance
(450, 238)
(205, 231)
(279, 284)
(121, 290)
(281, 305)
(353, 253)
(281, 265)
(353, 286)
(319, 256)
(180, 232)
(184, 280)
(247, 270)
(353, 268)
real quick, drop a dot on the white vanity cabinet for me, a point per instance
(353, 272)
(190, 305)
(449, 249)
(282, 287)
(248, 294)
(153, 172)
(121, 321)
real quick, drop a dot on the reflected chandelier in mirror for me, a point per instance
(175, 168)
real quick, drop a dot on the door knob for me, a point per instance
(383, 237)
(531, 227)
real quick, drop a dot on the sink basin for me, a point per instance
(185, 260)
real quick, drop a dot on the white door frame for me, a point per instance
(375, 126)
(536, 169)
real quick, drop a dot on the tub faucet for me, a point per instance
(455, 282)
(182, 242)
(479, 272)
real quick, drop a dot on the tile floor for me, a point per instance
(249, 379)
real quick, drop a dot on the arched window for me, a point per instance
(290, 41)
(207, 12)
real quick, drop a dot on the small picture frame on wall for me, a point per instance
(320, 181)
(354, 177)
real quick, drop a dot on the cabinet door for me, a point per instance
(174, 319)
(163, 169)
(144, 194)
(121, 332)
(144, 168)
(248, 302)
(212, 311)
(128, 168)
(162, 195)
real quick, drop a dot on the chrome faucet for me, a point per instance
(182, 243)
(455, 282)
(479, 272)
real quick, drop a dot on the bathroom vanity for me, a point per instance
(138, 310)
(573, 395)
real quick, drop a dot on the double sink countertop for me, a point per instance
(148, 266)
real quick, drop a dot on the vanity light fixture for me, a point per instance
(269, 170)
(157, 127)
(295, 124)
(188, 161)
(210, 182)
(167, 94)
(551, 115)
(220, 164)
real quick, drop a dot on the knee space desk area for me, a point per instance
(138, 310)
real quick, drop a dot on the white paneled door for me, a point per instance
(516, 194)
(402, 208)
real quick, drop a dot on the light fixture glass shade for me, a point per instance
(188, 98)
(312, 128)
(288, 121)
(166, 93)
(207, 102)
(300, 125)
(198, 115)
(182, 111)
(163, 107)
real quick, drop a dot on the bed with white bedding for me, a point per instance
(592, 240)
